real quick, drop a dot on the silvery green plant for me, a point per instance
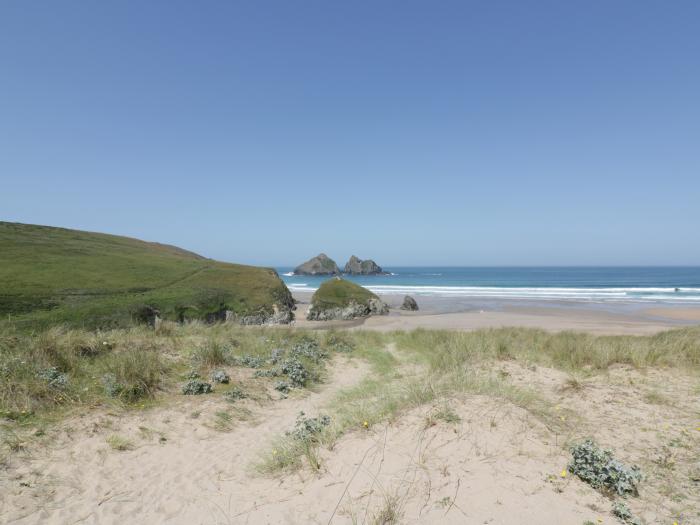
(309, 428)
(195, 387)
(53, 377)
(308, 348)
(220, 376)
(295, 370)
(622, 512)
(599, 468)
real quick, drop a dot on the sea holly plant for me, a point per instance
(195, 387)
(599, 468)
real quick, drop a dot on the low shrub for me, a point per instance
(195, 387)
(235, 394)
(295, 370)
(53, 378)
(602, 471)
(308, 428)
(250, 361)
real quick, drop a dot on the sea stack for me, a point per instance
(319, 265)
(409, 303)
(338, 299)
(356, 266)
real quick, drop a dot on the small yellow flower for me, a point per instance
(563, 473)
(365, 424)
(274, 452)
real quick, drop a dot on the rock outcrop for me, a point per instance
(409, 303)
(357, 266)
(319, 265)
(338, 299)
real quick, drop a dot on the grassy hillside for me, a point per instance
(339, 293)
(50, 275)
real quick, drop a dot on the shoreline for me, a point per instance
(441, 313)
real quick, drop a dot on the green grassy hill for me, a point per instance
(52, 275)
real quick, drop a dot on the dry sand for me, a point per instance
(499, 464)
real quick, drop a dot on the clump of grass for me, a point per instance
(443, 413)
(212, 354)
(134, 374)
(389, 513)
(302, 441)
(117, 442)
(655, 397)
(223, 420)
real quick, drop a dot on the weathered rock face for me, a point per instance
(319, 265)
(356, 266)
(351, 311)
(409, 303)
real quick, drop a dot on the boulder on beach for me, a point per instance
(409, 303)
(319, 265)
(338, 299)
(357, 266)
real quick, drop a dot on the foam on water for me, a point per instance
(605, 285)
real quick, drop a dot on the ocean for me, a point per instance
(633, 285)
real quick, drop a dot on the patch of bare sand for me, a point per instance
(650, 418)
(683, 314)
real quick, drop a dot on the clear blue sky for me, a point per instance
(451, 132)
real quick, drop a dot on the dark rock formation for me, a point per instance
(409, 303)
(351, 311)
(319, 265)
(356, 266)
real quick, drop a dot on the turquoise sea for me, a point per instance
(633, 285)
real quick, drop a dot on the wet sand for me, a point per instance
(437, 313)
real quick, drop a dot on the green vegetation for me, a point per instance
(119, 443)
(337, 292)
(92, 280)
(44, 374)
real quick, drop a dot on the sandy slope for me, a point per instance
(499, 464)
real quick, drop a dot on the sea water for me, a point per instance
(634, 285)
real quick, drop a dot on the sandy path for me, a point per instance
(199, 475)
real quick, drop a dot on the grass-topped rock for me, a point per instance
(93, 280)
(341, 299)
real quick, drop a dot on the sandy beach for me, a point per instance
(437, 314)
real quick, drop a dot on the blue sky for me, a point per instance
(446, 133)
